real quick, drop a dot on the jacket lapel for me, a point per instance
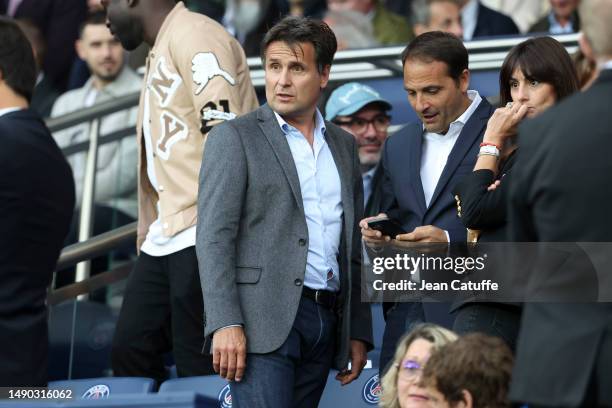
(277, 139)
(344, 166)
(471, 132)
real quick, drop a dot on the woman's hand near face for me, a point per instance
(503, 123)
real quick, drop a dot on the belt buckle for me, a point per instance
(317, 293)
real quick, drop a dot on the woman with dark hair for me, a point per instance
(535, 75)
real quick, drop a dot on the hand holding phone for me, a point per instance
(387, 227)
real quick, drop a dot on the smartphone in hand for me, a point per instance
(387, 226)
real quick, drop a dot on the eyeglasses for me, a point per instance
(359, 125)
(410, 369)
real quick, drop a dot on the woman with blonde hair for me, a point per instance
(400, 385)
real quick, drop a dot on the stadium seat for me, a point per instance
(93, 334)
(363, 392)
(211, 386)
(103, 387)
(170, 400)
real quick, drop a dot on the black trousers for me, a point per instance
(162, 311)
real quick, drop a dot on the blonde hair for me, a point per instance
(437, 335)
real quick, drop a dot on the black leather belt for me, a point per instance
(324, 298)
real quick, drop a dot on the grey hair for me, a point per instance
(421, 10)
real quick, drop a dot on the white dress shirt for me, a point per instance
(436, 148)
(556, 28)
(322, 199)
(8, 110)
(12, 7)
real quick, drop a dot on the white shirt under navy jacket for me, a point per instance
(322, 200)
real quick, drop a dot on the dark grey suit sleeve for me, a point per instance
(361, 316)
(520, 221)
(222, 187)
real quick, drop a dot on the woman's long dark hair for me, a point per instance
(541, 59)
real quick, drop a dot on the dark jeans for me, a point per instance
(399, 320)
(162, 311)
(494, 319)
(296, 373)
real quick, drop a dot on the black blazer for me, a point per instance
(486, 210)
(491, 23)
(36, 204)
(59, 22)
(561, 192)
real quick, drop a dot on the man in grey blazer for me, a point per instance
(278, 242)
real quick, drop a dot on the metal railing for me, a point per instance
(348, 65)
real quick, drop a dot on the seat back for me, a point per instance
(103, 387)
(363, 392)
(211, 386)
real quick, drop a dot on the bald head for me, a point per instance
(596, 16)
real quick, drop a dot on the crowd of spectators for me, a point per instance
(51, 24)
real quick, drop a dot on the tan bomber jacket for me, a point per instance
(196, 77)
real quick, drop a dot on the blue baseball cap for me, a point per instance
(349, 98)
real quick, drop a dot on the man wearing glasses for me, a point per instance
(361, 111)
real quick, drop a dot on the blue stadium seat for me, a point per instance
(363, 392)
(211, 386)
(103, 387)
(93, 335)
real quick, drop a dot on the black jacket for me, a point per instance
(36, 204)
(492, 23)
(561, 193)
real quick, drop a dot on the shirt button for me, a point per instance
(152, 55)
(161, 188)
(298, 282)
(165, 225)
(302, 242)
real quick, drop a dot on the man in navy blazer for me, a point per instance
(480, 21)
(422, 162)
(36, 204)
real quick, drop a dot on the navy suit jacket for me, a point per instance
(36, 204)
(491, 23)
(403, 197)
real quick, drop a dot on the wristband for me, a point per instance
(489, 150)
(489, 144)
